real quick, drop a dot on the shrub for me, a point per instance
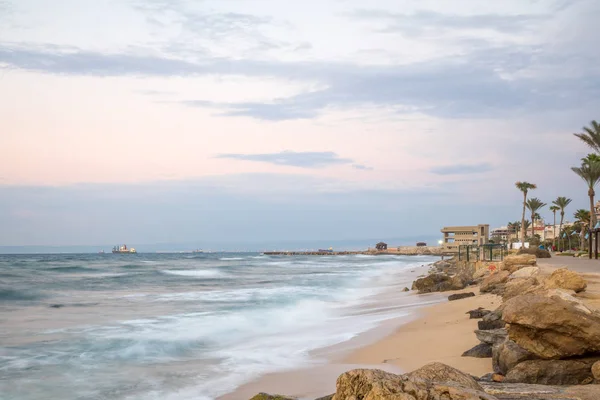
(539, 253)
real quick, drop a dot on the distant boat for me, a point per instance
(101, 252)
(123, 249)
(198, 251)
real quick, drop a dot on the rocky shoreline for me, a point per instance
(543, 340)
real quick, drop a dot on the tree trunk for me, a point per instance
(592, 218)
(560, 243)
(554, 231)
(532, 226)
(523, 220)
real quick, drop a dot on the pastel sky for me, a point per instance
(146, 121)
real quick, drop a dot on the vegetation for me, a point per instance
(554, 209)
(539, 253)
(591, 136)
(590, 173)
(561, 203)
(534, 205)
(524, 187)
(582, 218)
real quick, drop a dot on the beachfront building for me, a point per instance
(502, 235)
(381, 246)
(539, 228)
(455, 236)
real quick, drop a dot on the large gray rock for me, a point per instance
(438, 283)
(488, 325)
(482, 350)
(494, 283)
(460, 296)
(507, 355)
(478, 313)
(553, 372)
(492, 336)
(552, 325)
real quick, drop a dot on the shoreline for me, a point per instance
(318, 377)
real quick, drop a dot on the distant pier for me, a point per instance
(398, 251)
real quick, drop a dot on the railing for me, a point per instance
(485, 252)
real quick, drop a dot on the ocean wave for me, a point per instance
(197, 273)
(231, 258)
(15, 295)
(71, 269)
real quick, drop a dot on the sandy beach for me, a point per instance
(435, 332)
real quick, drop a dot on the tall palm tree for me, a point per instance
(534, 205)
(582, 216)
(554, 209)
(524, 187)
(590, 173)
(562, 203)
(514, 227)
(591, 135)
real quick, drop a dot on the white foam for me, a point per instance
(231, 258)
(197, 273)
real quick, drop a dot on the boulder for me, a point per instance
(494, 283)
(482, 350)
(438, 283)
(553, 325)
(519, 286)
(432, 382)
(527, 272)
(508, 354)
(492, 336)
(565, 279)
(494, 315)
(265, 396)
(552, 372)
(478, 313)
(480, 273)
(459, 296)
(488, 325)
(515, 262)
(596, 371)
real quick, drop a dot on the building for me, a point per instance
(502, 234)
(455, 236)
(381, 246)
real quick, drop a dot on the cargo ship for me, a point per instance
(123, 249)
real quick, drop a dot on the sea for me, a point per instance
(180, 326)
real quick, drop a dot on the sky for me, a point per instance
(230, 121)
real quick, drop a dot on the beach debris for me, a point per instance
(478, 313)
(433, 381)
(552, 325)
(459, 296)
(491, 336)
(265, 396)
(507, 354)
(494, 283)
(482, 350)
(565, 279)
(553, 372)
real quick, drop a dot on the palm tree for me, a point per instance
(582, 217)
(562, 203)
(590, 173)
(514, 227)
(591, 135)
(554, 209)
(524, 187)
(534, 205)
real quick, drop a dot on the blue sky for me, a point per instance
(155, 121)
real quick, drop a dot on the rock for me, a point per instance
(565, 279)
(519, 286)
(527, 272)
(494, 283)
(596, 371)
(479, 313)
(508, 354)
(442, 373)
(404, 290)
(481, 272)
(438, 283)
(494, 315)
(56, 305)
(498, 378)
(458, 296)
(492, 336)
(265, 396)
(489, 325)
(482, 350)
(516, 262)
(553, 372)
(552, 326)
(432, 382)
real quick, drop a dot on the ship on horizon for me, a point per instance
(123, 249)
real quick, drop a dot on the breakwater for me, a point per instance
(398, 251)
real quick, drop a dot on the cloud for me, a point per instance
(422, 22)
(461, 169)
(306, 159)
(362, 167)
